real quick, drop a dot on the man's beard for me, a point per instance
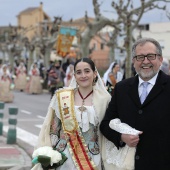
(147, 75)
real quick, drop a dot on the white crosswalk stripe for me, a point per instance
(41, 117)
(25, 111)
(24, 136)
(38, 126)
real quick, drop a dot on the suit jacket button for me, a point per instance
(140, 111)
(137, 157)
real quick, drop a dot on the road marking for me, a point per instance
(29, 120)
(24, 111)
(24, 136)
(41, 117)
(2, 147)
(24, 120)
(38, 126)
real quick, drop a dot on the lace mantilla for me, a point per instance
(124, 128)
(124, 157)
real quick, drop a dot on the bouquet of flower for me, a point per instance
(27, 78)
(13, 76)
(12, 86)
(48, 157)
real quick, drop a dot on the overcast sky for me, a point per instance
(68, 9)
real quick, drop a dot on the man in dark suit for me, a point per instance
(152, 117)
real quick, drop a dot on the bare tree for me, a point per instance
(94, 27)
(168, 14)
(128, 18)
(131, 17)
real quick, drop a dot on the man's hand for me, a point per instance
(131, 140)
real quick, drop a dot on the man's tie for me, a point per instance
(144, 92)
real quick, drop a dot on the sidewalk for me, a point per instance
(13, 157)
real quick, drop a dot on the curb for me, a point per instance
(20, 168)
(27, 160)
(26, 156)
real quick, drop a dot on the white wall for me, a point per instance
(160, 32)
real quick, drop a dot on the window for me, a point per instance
(102, 46)
(143, 27)
(94, 47)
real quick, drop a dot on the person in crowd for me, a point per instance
(69, 75)
(72, 122)
(16, 65)
(112, 76)
(2, 70)
(55, 80)
(6, 94)
(10, 69)
(47, 73)
(142, 102)
(165, 66)
(34, 85)
(42, 69)
(66, 64)
(43, 73)
(133, 72)
(21, 77)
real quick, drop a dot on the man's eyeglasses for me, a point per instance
(148, 56)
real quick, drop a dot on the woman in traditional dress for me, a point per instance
(34, 85)
(72, 122)
(21, 77)
(112, 76)
(5, 83)
(69, 75)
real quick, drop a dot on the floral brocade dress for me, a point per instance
(21, 81)
(6, 94)
(34, 85)
(88, 123)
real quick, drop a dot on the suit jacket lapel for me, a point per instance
(133, 91)
(157, 88)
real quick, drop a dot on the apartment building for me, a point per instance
(33, 21)
(159, 31)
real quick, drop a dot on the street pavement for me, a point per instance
(14, 156)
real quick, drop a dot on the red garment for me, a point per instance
(34, 72)
(5, 77)
(69, 77)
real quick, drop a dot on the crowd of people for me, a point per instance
(20, 80)
(58, 75)
(5, 85)
(32, 80)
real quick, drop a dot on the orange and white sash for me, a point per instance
(76, 143)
